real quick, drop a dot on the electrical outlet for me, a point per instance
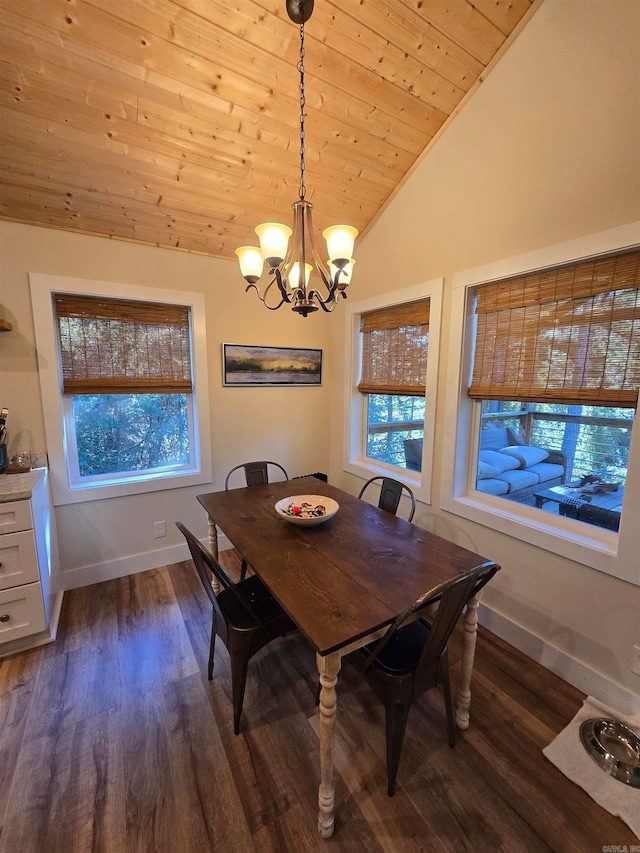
(159, 529)
(635, 660)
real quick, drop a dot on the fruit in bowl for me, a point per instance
(307, 509)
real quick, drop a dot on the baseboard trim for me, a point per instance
(590, 681)
(86, 575)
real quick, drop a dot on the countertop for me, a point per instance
(18, 487)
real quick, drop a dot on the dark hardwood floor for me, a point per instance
(113, 740)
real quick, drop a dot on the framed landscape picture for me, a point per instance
(254, 365)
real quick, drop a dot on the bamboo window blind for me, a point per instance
(394, 349)
(569, 334)
(121, 346)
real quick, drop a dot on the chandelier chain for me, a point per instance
(303, 190)
(291, 253)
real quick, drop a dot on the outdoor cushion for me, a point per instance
(526, 454)
(500, 461)
(547, 471)
(492, 487)
(518, 479)
(486, 471)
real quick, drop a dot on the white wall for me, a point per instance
(546, 151)
(290, 425)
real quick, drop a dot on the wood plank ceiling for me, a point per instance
(176, 122)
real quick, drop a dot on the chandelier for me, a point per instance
(286, 258)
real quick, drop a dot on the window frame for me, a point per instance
(56, 404)
(355, 460)
(596, 547)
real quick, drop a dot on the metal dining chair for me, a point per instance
(245, 616)
(390, 493)
(411, 658)
(255, 474)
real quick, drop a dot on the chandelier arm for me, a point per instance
(263, 296)
(287, 295)
(327, 305)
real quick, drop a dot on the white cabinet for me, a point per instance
(26, 559)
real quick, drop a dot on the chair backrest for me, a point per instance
(256, 473)
(390, 493)
(495, 438)
(206, 566)
(453, 596)
(413, 453)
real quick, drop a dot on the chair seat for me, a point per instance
(401, 654)
(264, 604)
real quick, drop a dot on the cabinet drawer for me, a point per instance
(21, 612)
(15, 515)
(18, 560)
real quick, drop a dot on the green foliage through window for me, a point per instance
(392, 418)
(120, 433)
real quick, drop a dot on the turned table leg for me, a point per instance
(468, 654)
(328, 668)
(213, 547)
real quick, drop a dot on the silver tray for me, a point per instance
(615, 747)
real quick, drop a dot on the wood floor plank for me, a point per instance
(18, 676)
(113, 740)
(205, 788)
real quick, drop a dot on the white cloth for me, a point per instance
(569, 755)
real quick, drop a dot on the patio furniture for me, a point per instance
(513, 470)
(600, 516)
(413, 453)
(600, 508)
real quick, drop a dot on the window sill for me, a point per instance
(584, 543)
(64, 495)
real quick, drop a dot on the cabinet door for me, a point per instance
(18, 560)
(21, 612)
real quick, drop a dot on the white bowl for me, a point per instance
(284, 511)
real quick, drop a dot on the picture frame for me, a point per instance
(248, 364)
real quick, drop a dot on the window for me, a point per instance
(395, 342)
(126, 379)
(394, 346)
(553, 373)
(568, 335)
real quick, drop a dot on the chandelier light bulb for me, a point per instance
(274, 239)
(340, 240)
(251, 262)
(294, 275)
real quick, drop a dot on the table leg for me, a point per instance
(213, 547)
(328, 668)
(468, 654)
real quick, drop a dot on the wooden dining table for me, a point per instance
(342, 582)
